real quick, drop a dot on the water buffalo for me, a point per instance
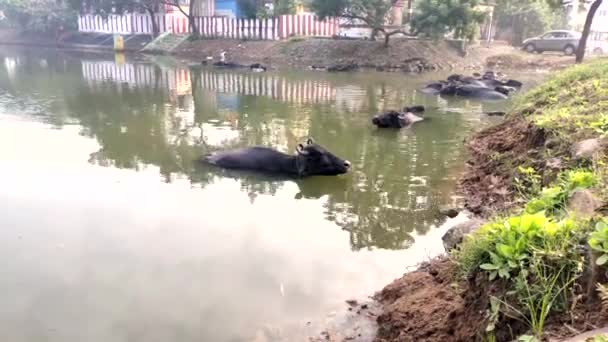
(434, 88)
(486, 86)
(394, 119)
(257, 67)
(309, 160)
(473, 91)
(228, 65)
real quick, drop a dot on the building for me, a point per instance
(577, 17)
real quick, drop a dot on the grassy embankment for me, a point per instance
(544, 250)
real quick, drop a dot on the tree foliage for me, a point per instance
(107, 7)
(528, 18)
(373, 13)
(436, 18)
(38, 15)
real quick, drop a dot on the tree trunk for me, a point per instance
(193, 27)
(373, 34)
(152, 15)
(191, 19)
(582, 44)
(409, 10)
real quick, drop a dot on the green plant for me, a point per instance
(601, 124)
(598, 241)
(578, 179)
(516, 238)
(536, 256)
(598, 338)
(494, 314)
(603, 292)
(539, 290)
(527, 182)
(471, 252)
(553, 199)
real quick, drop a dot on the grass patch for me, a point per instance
(573, 104)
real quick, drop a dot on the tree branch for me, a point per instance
(175, 4)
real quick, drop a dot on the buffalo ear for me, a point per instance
(310, 141)
(301, 151)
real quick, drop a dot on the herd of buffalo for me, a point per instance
(312, 159)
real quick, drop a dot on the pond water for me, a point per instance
(111, 231)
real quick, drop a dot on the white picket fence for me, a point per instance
(281, 27)
(237, 28)
(134, 23)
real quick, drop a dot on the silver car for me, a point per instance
(559, 40)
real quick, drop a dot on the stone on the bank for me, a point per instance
(448, 211)
(586, 149)
(583, 203)
(453, 237)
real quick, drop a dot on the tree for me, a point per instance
(436, 18)
(107, 7)
(38, 15)
(582, 45)
(528, 18)
(374, 13)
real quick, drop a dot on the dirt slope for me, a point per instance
(300, 53)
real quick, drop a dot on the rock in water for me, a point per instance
(448, 211)
(453, 237)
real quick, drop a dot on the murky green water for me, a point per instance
(110, 231)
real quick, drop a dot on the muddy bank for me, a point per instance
(431, 305)
(496, 153)
(402, 54)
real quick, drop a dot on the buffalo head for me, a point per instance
(312, 159)
(390, 119)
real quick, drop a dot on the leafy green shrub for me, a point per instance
(553, 199)
(516, 239)
(537, 256)
(598, 338)
(598, 241)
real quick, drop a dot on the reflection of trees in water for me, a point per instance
(35, 91)
(388, 195)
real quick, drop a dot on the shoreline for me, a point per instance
(402, 56)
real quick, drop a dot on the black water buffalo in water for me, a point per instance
(394, 119)
(474, 91)
(486, 87)
(309, 160)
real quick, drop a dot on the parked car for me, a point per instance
(598, 43)
(558, 40)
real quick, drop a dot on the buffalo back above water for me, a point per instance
(310, 159)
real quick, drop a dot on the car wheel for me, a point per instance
(569, 50)
(598, 51)
(530, 48)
